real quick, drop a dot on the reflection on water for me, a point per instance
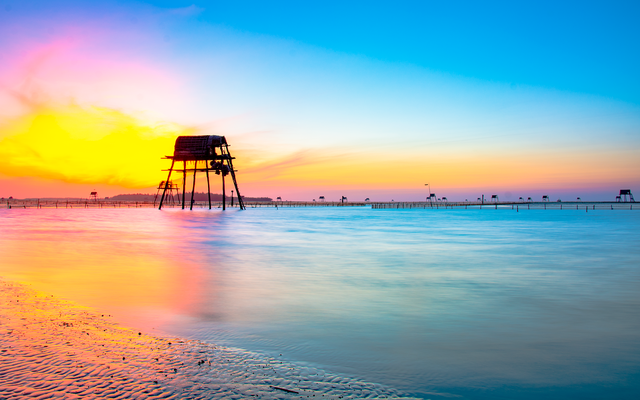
(477, 303)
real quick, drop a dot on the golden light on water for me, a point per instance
(98, 264)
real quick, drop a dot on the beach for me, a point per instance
(55, 348)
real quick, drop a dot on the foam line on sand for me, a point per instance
(52, 348)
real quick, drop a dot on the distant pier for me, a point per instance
(542, 205)
(110, 204)
(517, 206)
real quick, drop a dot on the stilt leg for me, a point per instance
(233, 176)
(208, 185)
(193, 188)
(184, 180)
(223, 193)
(166, 184)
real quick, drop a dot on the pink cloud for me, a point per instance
(92, 66)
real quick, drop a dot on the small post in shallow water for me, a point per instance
(193, 188)
(208, 185)
(224, 200)
(184, 180)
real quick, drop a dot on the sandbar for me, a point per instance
(53, 348)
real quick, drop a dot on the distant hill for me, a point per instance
(198, 197)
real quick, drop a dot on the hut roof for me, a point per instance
(197, 147)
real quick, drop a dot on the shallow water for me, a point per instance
(474, 303)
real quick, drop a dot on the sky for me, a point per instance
(357, 99)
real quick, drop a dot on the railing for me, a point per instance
(578, 205)
(75, 203)
(79, 203)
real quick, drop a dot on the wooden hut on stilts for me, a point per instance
(202, 154)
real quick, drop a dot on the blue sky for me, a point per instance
(587, 47)
(579, 46)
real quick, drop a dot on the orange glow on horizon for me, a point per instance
(525, 169)
(122, 153)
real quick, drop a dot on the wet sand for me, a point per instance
(52, 348)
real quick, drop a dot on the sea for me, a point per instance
(455, 303)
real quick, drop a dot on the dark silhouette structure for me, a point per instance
(202, 154)
(94, 196)
(625, 196)
(171, 187)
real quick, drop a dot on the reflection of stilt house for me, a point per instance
(202, 154)
(170, 198)
(625, 195)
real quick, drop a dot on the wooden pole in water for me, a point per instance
(184, 180)
(233, 176)
(166, 184)
(223, 193)
(193, 188)
(208, 185)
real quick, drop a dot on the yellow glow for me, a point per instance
(101, 146)
(87, 145)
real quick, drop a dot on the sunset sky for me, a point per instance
(365, 99)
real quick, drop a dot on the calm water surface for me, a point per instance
(472, 303)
